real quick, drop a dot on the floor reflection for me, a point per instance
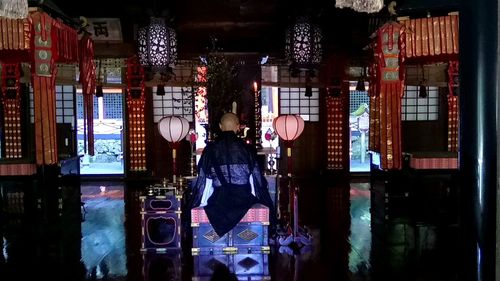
(103, 233)
(102, 239)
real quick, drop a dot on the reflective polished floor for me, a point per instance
(94, 233)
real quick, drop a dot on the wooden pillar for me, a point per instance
(478, 152)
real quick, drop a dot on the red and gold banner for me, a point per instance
(11, 98)
(335, 132)
(337, 113)
(389, 56)
(67, 43)
(433, 36)
(136, 99)
(52, 42)
(453, 105)
(15, 34)
(43, 79)
(88, 81)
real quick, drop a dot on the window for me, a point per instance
(293, 99)
(415, 108)
(79, 105)
(357, 98)
(176, 101)
(113, 106)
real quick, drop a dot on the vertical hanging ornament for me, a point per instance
(43, 79)
(157, 45)
(453, 105)
(389, 52)
(303, 45)
(88, 81)
(374, 133)
(337, 113)
(258, 115)
(136, 121)
(362, 6)
(12, 109)
(335, 132)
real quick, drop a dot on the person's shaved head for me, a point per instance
(229, 122)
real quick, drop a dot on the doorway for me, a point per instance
(359, 105)
(108, 134)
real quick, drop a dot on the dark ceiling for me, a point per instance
(241, 26)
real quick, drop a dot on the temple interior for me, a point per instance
(375, 124)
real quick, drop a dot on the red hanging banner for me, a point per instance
(15, 38)
(389, 56)
(453, 105)
(11, 73)
(432, 36)
(337, 113)
(88, 81)
(136, 99)
(43, 79)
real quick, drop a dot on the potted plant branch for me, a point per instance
(222, 87)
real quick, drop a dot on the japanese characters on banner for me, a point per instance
(386, 98)
(136, 120)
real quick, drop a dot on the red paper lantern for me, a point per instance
(288, 127)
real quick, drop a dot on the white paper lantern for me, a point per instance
(173, 128)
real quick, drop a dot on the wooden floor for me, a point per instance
(359, 232)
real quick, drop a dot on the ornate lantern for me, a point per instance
(14, 9)
(157, 45)
(173, 129)
(303, 45)
(363, 6)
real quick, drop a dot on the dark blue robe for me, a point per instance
(231, 164)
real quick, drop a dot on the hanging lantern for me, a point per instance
(157, 46)
(173, 129)
(362, 6)
(303, 45)
(288, 127)
(14, 9)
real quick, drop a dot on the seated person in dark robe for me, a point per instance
(230, 180)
